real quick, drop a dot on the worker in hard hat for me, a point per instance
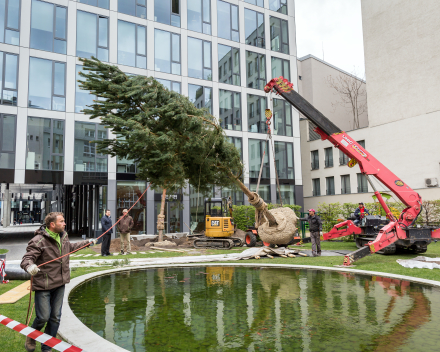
(315, 227)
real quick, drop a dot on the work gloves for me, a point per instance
(93, 242)
(32, 269)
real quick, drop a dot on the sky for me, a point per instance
(331, 30)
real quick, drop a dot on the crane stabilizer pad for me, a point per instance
(356, 255)
(309, 111)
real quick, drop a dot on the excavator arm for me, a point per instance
(369, 166)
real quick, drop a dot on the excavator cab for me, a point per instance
(217, 224)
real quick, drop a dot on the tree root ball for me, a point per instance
(284, 232)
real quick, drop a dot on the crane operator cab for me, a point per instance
(217, 223)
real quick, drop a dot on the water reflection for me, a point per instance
(252, 309)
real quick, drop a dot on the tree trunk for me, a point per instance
(161, 216)
(251, 197)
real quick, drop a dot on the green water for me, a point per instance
(253, 309)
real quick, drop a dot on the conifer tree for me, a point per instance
(172, 142)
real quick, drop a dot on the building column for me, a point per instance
(111, 202)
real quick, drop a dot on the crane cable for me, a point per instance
(28, 317)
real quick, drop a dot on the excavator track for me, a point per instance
(208, 242)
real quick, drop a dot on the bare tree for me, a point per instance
(352, 94)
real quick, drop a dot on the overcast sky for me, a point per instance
(332, 26)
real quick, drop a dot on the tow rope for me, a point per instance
(38, 335)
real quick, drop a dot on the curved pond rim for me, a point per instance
(76, 333)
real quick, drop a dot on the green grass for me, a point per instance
(13, 341)
(3, 251)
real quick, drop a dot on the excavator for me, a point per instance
(400, 231)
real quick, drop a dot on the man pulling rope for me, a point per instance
(49, 243)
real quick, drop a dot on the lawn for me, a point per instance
(13, 341)
(3, 251)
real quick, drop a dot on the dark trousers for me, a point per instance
(48, 306)
(316, 242)
(105, 247)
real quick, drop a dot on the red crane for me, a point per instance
(401, 230)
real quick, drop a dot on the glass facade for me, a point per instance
(279, 38)
(200, 96)
(167, 12)
(47, 84)
(237, 141)
(227, 18)
(199, 59)
(254, 28)
(10, 21)
(199, 16)
(280, 67)
(166, 52)
(284, 160)
(86, 156)
(132, 44)
(263, 191)
(228, 65)
(8, 78)
(257, 148)
(45, 144)
(48, 27)
(91, 35)
(7, 143)
(278, 6)
(136, 8)
(282, 118)
(127, 193)
(171, 85)
(255, 70)
(256, 106)
(99, 3)
(287, 194)
(230, 110)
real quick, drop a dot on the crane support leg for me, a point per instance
(336, 231)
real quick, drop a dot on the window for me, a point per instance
(230, 110)
(237, 141)
(316, 187)
(200, 96)
(228, 65)
(257, 148)
(256, 113)
(8, 78)
(132, 44)
(284, 160)
(280, 67)
(91, 36)
(256, 70)
(282, 118)
(255, 2)
(199, 16)
(328, 154)
(330, 185)
(361, 143)
(47, 151)
(343, 159)
(86, 156)
(362, 183)
(287, 194)
(254, 28)
(345, 184)
(167, 11)
(48, 27)
(125, 166)
(227, 17)
(82, 97)
(278, 6)
(133, 7)
(279, 39)
(315, 160)
(170, 85)
(237, 196)
(10, 22)
(99, 3)
(263, 191)
(166, 52)
(7, 141)
(199, 59)
(47, 84)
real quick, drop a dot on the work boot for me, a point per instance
(30, 344)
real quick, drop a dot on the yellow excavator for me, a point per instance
(219, 227)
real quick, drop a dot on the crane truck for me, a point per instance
(400, 231)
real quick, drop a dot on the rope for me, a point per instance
(87, 245)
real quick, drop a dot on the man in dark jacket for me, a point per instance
(315, 228)
(50, 242)
(106, 223)
(360, 213)
(124, 226)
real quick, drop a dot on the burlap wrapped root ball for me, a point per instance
(284, 232)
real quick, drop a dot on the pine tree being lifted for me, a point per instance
(172, 142)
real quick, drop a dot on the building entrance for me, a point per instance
(173, 217)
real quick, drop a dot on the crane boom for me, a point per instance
(397, 229)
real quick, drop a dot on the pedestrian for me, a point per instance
(106, 223)
(49, 242)
(125, 225)
(360, 213)
(315, 228)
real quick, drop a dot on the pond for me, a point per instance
(229, 308)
